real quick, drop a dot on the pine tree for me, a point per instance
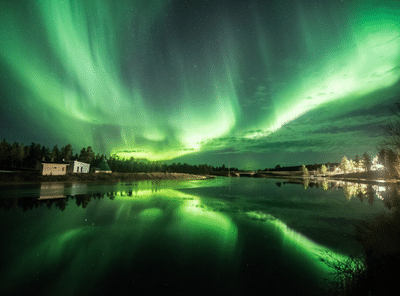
(357, 163)
(323, 169)
(90, 155)
(367, 161)
(345, 165)
(55, 153)
(67, 152)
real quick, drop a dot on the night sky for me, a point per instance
(253, 83)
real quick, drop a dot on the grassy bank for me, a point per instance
(371, 177)
(375, 273)
(29, 177)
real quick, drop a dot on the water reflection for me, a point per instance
(61, 194)
(153, 234)
(386, 192)
(78, 188)
(174, 231)
(52, 191)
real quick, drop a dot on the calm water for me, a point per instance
(235, 236)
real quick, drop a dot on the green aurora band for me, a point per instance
(100, 67)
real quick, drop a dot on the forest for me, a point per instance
(21, 157)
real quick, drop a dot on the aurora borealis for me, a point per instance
(255, 83)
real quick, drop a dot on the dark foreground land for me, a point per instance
(374, 273)
(31, 177)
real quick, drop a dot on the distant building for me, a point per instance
(52, 168)
(103, 167)
(79, 167)
(95, 170)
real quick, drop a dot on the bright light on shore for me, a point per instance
(376, 166)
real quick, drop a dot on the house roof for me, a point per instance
(72, 161)
(52, 162)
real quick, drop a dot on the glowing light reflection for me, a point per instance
(317, 254)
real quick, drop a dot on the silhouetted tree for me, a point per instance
(4, 152)
(13, 154)
(27, 156)
(391, 130)
(55, 153)
(90, 155)
(390, 161)
(35, 151)
(87, 155)
(45, 153)
(367, 161)
(20, 155)
(82, 155)
(382, 157)
(67, 152)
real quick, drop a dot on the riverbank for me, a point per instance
(372, 177)
(29, 177)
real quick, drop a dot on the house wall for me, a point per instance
(80, 167)
(53, 169)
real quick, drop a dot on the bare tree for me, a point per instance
(391, 131)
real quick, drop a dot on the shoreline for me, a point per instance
(31, 178)
(336, 179)
(21, 177)
(365, 178)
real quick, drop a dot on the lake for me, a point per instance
(232, 236)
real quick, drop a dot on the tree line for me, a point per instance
(386, 160)
(134, 165)
(21, 156)
(25, 157)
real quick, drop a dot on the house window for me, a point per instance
(62, 169)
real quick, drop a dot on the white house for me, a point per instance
(79, 167)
